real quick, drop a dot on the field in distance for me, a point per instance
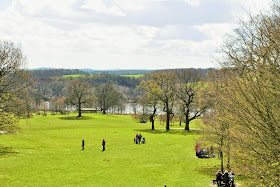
(47, 152)
(82, 75)
(135, 76)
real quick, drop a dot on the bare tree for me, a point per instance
(162, 86)
(13, 79)
(78, 94)
(107, 96)
(189, 92)
(58, 104)
(153, 102)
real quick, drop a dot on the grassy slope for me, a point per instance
(47, 152)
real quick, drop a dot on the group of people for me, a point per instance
(227, 178)
(202, 153)
(138, 139)
(83, 144)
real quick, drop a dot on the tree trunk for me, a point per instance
(228, 160)
(187, 127)
(153, 117)
(80, 112)
(28, 109)
(80, 108)
(167, 115)
(222, 161)
(222, 155)
(167, 120)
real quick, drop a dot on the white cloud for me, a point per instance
(103, 7)
(37, 8)
(194, 3)
(216, 31)
(73, 34)
(242, 8)
(118, 7)
(254, 5)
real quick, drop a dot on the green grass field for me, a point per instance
(74, 75)
(47, 152)
(135, 76)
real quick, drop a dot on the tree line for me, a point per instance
(245, 100)
(239, 103)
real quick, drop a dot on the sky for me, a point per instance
(122, 34)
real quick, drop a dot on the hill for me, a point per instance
(47, 152)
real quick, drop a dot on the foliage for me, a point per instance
(13, 80)
(162, 86)
(246, 97)
(190, 91)
(8, 122)
(47, 73)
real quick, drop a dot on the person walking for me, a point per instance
(103, 144)
(83, 144)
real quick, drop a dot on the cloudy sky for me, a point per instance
(121, 34)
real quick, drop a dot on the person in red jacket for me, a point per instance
(136, 140)
(103, 144)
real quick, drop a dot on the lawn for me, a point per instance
(47, 152)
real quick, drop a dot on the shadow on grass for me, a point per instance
(209, 169)
(76, 118)
(171, 131)
(6, 151)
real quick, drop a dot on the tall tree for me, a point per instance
(189, 92)
(27, 101)
(107, 96)
(58, 104)
(78, 94)
(218, 128)
(153, 103)
(13, 79)
(162, 85)
(251, 96)
(57, 88)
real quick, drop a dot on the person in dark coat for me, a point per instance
(226, 178)
(83, 144)
(219, 178)
(103, 144)
(139, 138)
